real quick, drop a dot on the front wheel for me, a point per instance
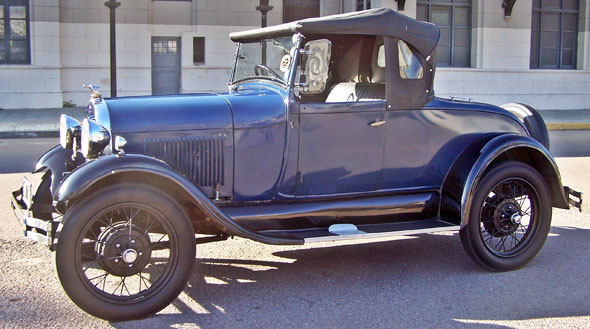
(509, 219)
(125, 252)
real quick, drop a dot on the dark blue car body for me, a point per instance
(258, 155)
(340, 154)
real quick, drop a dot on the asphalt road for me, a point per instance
(424, 281)
(20, 155)
(570, 143)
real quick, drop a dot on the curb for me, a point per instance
(28, 134)
(559, 126)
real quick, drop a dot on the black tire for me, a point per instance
(119, 237)
(502, 234)
(532, 120)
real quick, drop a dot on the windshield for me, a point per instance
(267, 59)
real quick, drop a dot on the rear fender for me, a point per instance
(91, 174)
(462, 180)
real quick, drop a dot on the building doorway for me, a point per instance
(165, 65)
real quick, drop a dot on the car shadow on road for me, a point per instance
(424, 281)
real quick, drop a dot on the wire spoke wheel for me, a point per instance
(127, 252)
(508, 217)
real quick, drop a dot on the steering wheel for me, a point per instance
(258, 70)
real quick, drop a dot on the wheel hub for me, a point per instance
(507, 217)
(129, 256)
(516, 218)
(123, 251)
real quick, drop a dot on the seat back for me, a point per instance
(356, 92)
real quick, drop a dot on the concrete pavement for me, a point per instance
(31, 123)
(566, 119)
(26, 123)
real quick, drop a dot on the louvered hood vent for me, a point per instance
(199, 158)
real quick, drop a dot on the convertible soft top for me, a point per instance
(383, 21)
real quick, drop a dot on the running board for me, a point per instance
(341, 232)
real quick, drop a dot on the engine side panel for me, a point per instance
(203, 156)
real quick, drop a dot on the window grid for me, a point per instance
(453, 27)
(165, 46)
(541, 12)
(14, 32)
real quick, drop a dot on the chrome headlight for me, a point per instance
(94, 138)
(69, 128)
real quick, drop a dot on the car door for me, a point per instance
(340, 148)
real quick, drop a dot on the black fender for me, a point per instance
(83, 178)
(57, 160)
(532, 120)
(462, 179)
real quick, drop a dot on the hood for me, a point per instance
(169, 113)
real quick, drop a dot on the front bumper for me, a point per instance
(574, 198)
(37, 229)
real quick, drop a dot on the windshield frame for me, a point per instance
(292, 69)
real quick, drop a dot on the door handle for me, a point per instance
(377, 123)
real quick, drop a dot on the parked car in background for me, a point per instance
(329, 130)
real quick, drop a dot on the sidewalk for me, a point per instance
(566, 119)
(31, 123)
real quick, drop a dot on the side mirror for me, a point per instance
(315, 62)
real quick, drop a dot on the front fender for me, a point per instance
(57, 160)
(462, 180)
(84, 177)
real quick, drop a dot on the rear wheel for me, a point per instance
(125, 252)
(509, 219)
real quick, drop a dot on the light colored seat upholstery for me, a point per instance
(356, 92)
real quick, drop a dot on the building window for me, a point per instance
(554, 34)
(294, 10)
(165, 47)
(453, 17)
(199, 50)
(14, 32)
(363, 4)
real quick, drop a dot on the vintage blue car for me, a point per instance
(329, 130)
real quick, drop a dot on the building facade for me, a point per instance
(536, 52)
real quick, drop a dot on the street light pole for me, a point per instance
(112, 5)
(264, 8)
